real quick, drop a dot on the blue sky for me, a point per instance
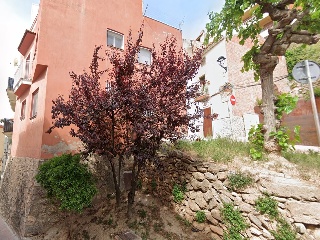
(188, 15)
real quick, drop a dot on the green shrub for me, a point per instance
(285, 103)
(256, 140)
(67, 181)
(238, 181)
(234, 222)
(316, 91)
(267, 205)
(200, 217)
(178, 193)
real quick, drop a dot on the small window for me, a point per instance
(144, 56)
(23, 110)
(114, 39)
(34, 106)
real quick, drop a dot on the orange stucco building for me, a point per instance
(62, 39)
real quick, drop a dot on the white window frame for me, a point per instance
(115, 35)
(144, 60)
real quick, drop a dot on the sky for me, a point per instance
(188, 15)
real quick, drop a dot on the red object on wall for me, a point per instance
(233, 100)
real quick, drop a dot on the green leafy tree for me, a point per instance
(299, 53)
(294, 21)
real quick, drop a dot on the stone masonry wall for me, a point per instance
(206, 183)
(23, 202)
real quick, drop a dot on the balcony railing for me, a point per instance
(22, 77)
(7, 125)
(22, 71)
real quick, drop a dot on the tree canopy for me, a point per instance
(140, 106)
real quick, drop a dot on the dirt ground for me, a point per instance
(151, 220)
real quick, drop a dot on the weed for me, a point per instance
(234, 222)
(200, 217)
(142, 213)
(153, 184)
(139, 184)
(284, 231)
(85, 235)
(157, 227)
(110, 221)
(183, 220)
(133, 225)
(178, 193)
(256, 140)
(267, 205)
(259, 102)
(239, 180)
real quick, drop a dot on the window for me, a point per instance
(144, 56)
(34, 105)
(23, 110)
(114, 39)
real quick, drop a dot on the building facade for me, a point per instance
(226, 93)
(61, 39)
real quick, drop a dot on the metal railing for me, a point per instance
(23, 71)
(7, 125)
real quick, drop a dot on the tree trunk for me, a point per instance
(267, 85)
(132, 192)
(116, 183)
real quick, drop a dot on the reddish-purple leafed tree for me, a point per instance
(140, 106)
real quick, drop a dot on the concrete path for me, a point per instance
(5, 231)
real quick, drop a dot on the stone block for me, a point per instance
(305, 212)
(217, 230)
(198, 176)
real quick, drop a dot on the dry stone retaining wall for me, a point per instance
(23, 202)
(206, 184)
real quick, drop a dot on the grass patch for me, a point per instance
(219, 150)
(307, 161)
(239, 181)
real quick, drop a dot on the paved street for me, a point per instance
(5, 231)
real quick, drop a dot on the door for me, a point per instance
(207, 122)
